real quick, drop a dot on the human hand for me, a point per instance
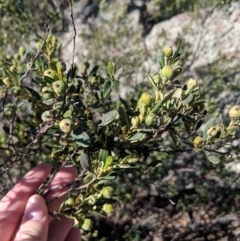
(24, 216)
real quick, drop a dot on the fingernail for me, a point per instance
(35, 209)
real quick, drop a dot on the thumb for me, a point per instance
(34, 226)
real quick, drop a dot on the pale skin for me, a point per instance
(24, 215)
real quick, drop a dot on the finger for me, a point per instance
(13, 204)
(34, 225)
(73, 235)
(59, 228)
(64, 176)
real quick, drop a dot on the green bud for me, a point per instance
(135, 121)
(168, 51)
(146, 99)
(234, 112)
(107, 192)
(198, 142)
(107, 208)
(66, 125)
(166, 72)
(157, 79)
(87, 224)
(47, 93)
(59, 87)
(47, 116)
(61, 66)
(150, 119)
(212, 132)
(50, 74)
(192, 83)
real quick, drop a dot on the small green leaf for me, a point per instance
(151, 81)
(118, 72)
(109, 117)
(137, 137)
(103, 154)
(111, 69)
(53, 66)
(178, 93)
(212, 158)
(82, 140)
(108, 162)
(85, 162)
(188, 100)
(123, 115)
(67, 114)
(177, 51)
(106, 88)
(160, 59)
(33, 92)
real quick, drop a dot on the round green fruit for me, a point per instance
(61, 66)
(234, 112)
(168, 51)
(166, 72)
(66, 125)
(107, 192)
(198, 142)
(146, 99)
(50, 75)
(150, 119)
(47, 93)
(107, 208)
(192, 83)
(59, 87)
(47, 116)
(87, 224)
(135, 121)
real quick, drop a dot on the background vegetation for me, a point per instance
(186, 197)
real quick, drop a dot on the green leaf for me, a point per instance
(109, 117)
(103, 154)
(210, 123)
(156, 106)
(212, 158)
(160, 59)
(33, 92)
(82, 140)
(53, 65)
(111, 69)
(123, 115)
(178, 93)
(177, 51)
(118, 72)
(67, 114)
(72, 72)
(137, 137)
(151, 81)
(108, 162)
(106, 88)
(85, 162)
(188, 100)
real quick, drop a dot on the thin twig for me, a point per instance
(74, 30)
(36, 56)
